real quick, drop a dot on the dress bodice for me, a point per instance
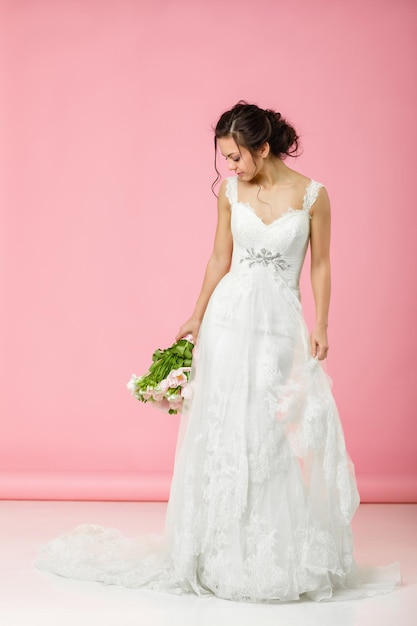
(280, 246)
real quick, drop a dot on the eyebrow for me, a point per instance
(229, 155)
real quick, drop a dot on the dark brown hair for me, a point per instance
(251, 127)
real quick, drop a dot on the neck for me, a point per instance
(274, 173)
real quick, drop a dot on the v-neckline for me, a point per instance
(289, 211)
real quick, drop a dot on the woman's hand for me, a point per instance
(319, 343)
(190, 327)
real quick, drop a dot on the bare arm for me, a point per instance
(320, 272)
(217, 266)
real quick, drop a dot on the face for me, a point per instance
(239, 159)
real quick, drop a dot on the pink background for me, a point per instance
(107, 219)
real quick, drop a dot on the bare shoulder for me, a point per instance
(222, 199)
(321, 206)
(300, 180)
(223, 187)
(299, 183)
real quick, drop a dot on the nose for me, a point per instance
(231, 165)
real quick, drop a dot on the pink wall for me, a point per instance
(108, 219)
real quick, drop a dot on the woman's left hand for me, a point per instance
(319, 343)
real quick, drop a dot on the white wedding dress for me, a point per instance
(263, 489)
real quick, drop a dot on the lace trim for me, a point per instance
(311, 194)
(309, 199)
(231, 190)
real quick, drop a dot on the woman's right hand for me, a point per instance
(190, 327)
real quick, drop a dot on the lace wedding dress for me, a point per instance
(263, 489)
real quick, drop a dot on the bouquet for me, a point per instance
(166, 382)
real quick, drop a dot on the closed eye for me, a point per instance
(234, 158)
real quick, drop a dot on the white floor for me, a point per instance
(383, 533)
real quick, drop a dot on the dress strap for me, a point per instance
(311, 194)
(231, 189)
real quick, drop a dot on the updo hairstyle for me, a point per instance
(251, 127)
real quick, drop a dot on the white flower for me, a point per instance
(131, 385)
(157, 394)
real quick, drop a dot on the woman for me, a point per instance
(254, 143)
(263, 490)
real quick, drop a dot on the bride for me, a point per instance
(263, 490)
